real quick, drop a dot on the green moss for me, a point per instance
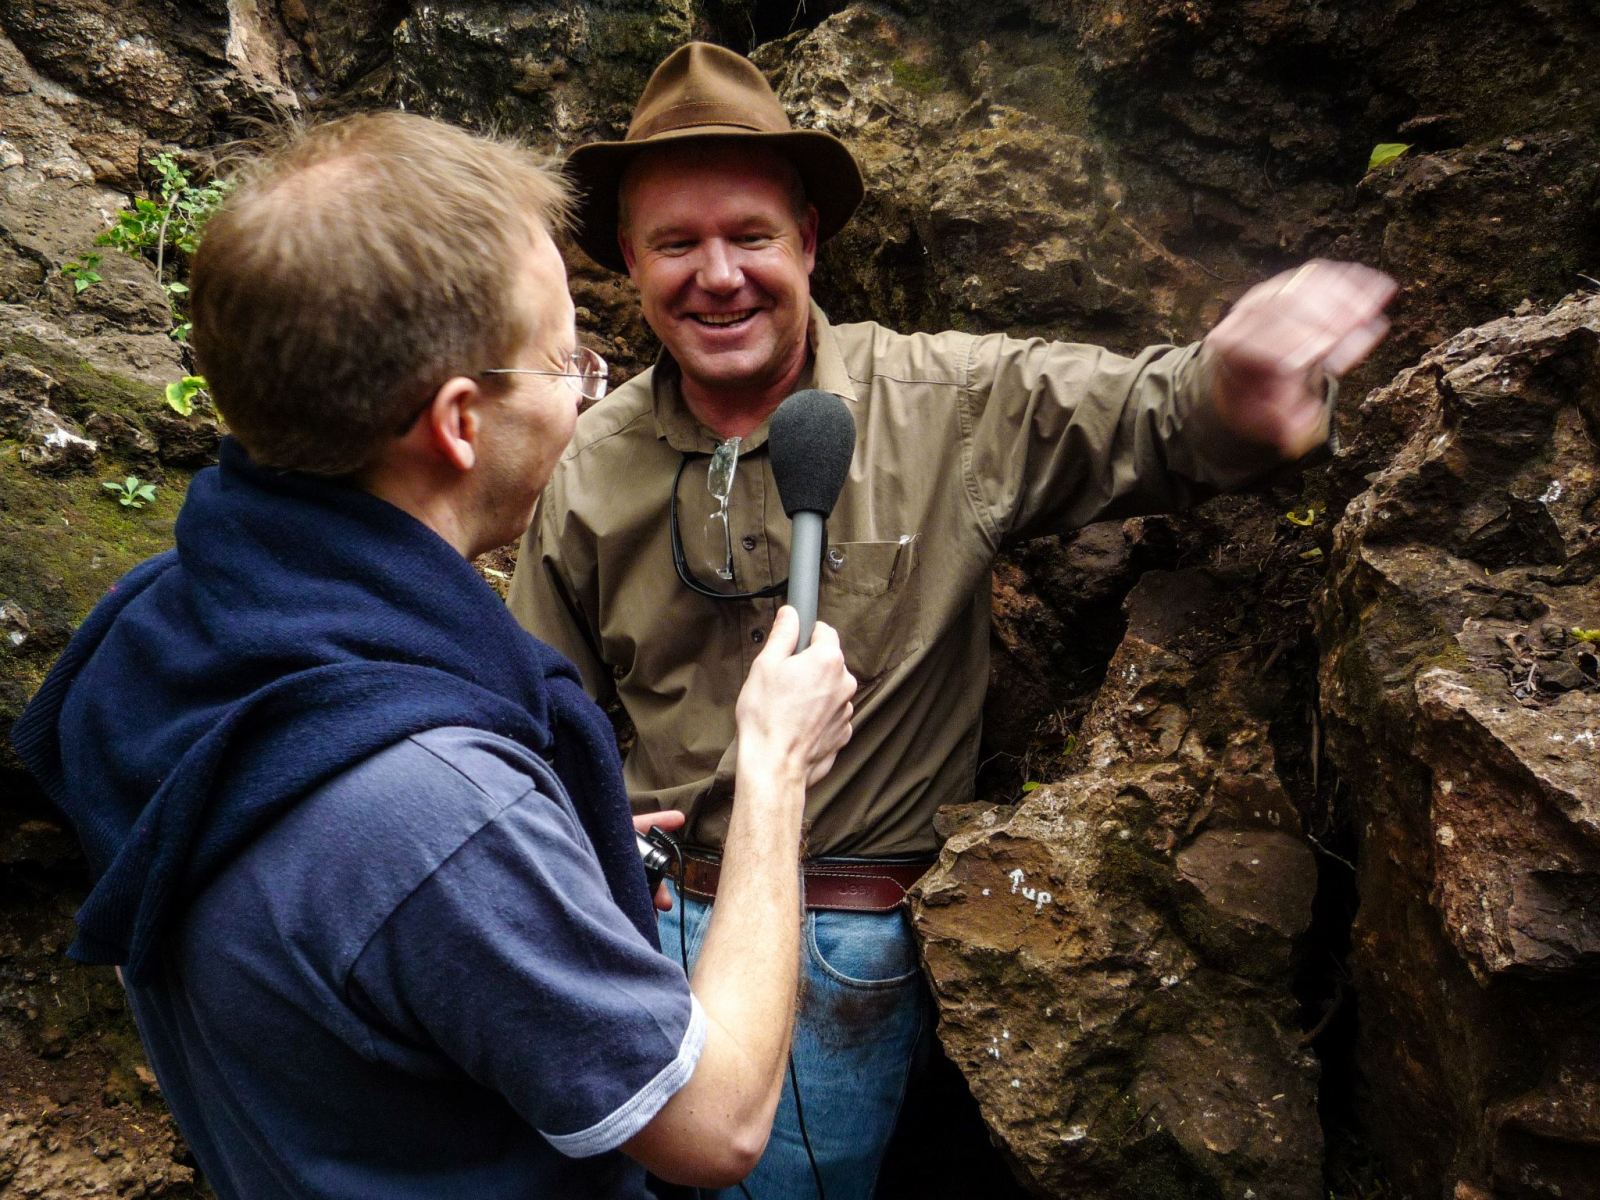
(81, 387)
(63, 541)
(915, 77)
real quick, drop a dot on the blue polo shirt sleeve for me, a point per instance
(512, 961)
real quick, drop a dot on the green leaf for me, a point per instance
(147, 491)
(112, 484)
(180, 395)
(1592, 636)
(1032, 785)
(1385, 152)
(80, 283)
(177, 289)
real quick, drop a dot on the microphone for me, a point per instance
(810, 440)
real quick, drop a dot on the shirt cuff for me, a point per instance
(640, 1109)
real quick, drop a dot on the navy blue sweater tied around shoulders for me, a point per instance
(300, 626)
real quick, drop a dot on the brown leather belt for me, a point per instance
(850, 884)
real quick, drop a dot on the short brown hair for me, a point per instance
(356, 268)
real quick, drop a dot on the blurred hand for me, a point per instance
(1269, 357)
(796, 707)
(669, 820)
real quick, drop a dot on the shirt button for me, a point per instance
(757, 636)
(748, 541)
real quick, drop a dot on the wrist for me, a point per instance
(770, 772)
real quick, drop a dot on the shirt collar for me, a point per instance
(676, 425)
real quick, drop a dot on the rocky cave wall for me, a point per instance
(1147, 967)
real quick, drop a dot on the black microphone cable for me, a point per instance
(676, 875)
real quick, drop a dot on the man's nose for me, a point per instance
(719, 268)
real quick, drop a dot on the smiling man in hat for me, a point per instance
(658, 554)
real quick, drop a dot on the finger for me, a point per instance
(663, 898)
(1356, 345)
(1302, 430)
(668, 819)
(1320, 295)
(819, 770)
(1287, 341)
(825, 639)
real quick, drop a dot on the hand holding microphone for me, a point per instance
(798, 699)
(794, 710)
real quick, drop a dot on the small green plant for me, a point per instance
(1592, 636)
(1386, 152)
(132, 492)
(181, 393)
(84, 272)
(1303, 519)
(134, 230)
(179, 332)
(175, 219)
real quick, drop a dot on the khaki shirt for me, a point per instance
(964, 443)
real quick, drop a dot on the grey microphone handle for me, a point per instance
(805, 571)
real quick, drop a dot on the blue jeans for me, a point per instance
(863, 1008)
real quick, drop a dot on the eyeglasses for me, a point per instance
(588, 376)
(719, 482)
(719, 479)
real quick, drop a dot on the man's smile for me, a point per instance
(723, 320)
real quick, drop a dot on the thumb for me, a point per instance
(784, 635)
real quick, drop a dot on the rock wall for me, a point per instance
(1178, 1016)
(1464, 706)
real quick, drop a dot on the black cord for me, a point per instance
(816, 1171)
(794, 1081)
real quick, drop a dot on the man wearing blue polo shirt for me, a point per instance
(362, 848)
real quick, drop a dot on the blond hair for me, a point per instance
(356, 268)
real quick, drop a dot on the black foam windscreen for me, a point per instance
(811, 439)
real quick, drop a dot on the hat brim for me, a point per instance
(827, 170)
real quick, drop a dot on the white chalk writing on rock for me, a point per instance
(1039, 896)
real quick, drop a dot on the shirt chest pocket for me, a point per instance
(869, 592)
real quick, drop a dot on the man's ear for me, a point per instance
(626, 247)
(808, 237)
(453, 423)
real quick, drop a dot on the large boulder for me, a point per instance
(1112, 959)
(1462, 688)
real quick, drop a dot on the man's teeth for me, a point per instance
(723, 318)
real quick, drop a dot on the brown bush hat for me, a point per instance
(706, 93)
